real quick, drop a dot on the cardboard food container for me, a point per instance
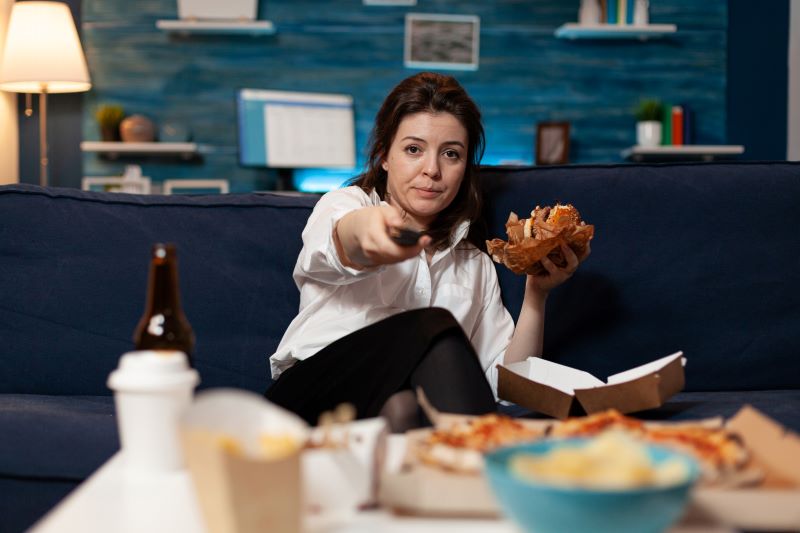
(340, 468)
(419, 489)
(773, 504)
(243, 483)
(561, 391)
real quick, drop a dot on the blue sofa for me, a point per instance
(699, 257)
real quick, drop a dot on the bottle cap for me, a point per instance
(152, 371)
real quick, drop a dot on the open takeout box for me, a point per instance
(243, 455)
(561, 391)
(772, 504)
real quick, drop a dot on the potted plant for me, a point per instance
(108, 117)
(648, 126)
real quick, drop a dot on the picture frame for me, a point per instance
(199, 186)
(442, 42)
(131, 185)
(552, 143)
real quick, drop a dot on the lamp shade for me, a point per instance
(43, 52)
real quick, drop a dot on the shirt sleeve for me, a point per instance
(494, 328)
(319, 260)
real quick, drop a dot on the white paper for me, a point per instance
(643, 370)
(561, 377)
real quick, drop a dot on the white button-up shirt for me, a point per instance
(336, 300)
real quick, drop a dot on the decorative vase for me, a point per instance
(648, 133)
(641, 16)
(137, 129)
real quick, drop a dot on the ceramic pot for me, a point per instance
(109, 133)
(137, 129)
(648, 133)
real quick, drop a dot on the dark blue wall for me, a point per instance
(525, 76)
(758, 77)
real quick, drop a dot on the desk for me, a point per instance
(115, 500)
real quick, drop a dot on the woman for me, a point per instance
(378, 319)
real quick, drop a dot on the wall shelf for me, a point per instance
(218, 27)
(693, 152)
(614, 31)
(163, 149)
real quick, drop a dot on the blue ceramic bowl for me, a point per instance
(546, 508)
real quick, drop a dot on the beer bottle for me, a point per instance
(163, 325)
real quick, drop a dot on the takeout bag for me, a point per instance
(240, 486)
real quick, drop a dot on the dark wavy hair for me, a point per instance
(429, 92)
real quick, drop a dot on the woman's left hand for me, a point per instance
(556, 276)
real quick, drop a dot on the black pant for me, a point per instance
(422, 348)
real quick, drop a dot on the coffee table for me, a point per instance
(114, 499)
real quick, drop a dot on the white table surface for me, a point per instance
(117, 500)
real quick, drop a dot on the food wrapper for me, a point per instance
(542, 235)
(243, 454)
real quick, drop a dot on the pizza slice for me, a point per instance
(460, 447)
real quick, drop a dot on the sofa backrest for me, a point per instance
(73, 277)
(703, 258)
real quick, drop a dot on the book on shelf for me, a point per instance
(666, 124)
(611, 11)
(677, 125)
(622, 14)
(617, 11)
(688, 124)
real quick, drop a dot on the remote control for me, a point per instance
(406, 237)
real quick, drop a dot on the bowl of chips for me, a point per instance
(609, 483)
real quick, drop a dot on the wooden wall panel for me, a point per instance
(526, 75)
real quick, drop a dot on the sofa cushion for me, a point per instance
(74, 277)
(703, 258)
(55, 437)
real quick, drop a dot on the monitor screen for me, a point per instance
(283, 129)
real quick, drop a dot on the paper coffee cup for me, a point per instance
(151, 390)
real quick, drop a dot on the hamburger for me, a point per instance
(541, 235)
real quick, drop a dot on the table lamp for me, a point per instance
(43, 55)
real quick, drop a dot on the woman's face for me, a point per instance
(425, 165)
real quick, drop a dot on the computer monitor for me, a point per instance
(295, 130)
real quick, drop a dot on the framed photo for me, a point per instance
(134, 185)
(195, 187)
(552, 143)
(442, 41)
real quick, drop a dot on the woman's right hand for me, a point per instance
(362, 237)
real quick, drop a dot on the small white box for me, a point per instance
(216, 10)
